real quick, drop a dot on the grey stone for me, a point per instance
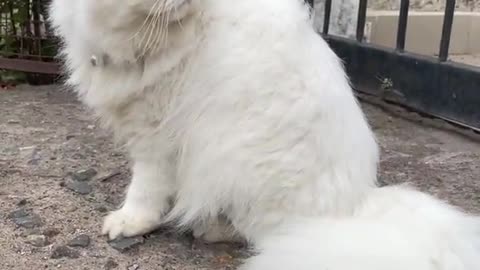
(13, 121)
(101, 209)
(125, 244)
(35, 157)
(82, 240)
(18, 213)
(25, 219)
(31, 221)
(134, 267)
(84, 175)
(37, 240)
(78, 156)
(64, 252)
(82, 188)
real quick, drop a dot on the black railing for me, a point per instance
(447, 30)
(402, 24)
(361, 20)
(429, 85)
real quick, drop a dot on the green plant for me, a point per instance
(23, 29)
(25, 33)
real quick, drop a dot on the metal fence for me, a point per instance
(429, 85)
(26, 40)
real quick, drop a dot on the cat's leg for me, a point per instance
(217, 230)
(146, 203)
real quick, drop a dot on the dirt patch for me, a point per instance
(48, 141)
(60, 174)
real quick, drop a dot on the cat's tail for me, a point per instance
(396, 228)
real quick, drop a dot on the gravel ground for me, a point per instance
(60, 174)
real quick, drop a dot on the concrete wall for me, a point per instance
(424, 31)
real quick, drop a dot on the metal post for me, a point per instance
(362, 17)
(326, 19)
(402, 24)
(447, 30)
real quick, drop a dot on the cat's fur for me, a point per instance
(239, 109)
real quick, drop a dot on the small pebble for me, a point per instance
(27, 148)
(125, 244)
(12, 121)
(133, 267)
(25, 219)
(101, 209)
(71, 209)
(82, 188)
(110, 264)
(35, 158)
(22, 202)
(82, 240)
(18, 213)
(37, 240)
(78, 156)
(64, 252)
(84, 175)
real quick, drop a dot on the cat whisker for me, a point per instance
(150, 12)
(164, 36)
(152, 26)
(177, 19)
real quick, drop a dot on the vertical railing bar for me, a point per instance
(326, 19)
(447, 30)
(402, 24)
(362, 18)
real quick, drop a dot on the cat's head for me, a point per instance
(125, 28)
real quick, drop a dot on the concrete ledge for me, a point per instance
(424, 31)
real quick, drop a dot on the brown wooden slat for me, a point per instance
(30, 66)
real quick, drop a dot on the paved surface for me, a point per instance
(50, 149)
(473, 60)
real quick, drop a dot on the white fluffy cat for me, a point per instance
(239, 109)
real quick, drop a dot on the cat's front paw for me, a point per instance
(128, 223)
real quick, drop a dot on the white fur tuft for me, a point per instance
(396, 228)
